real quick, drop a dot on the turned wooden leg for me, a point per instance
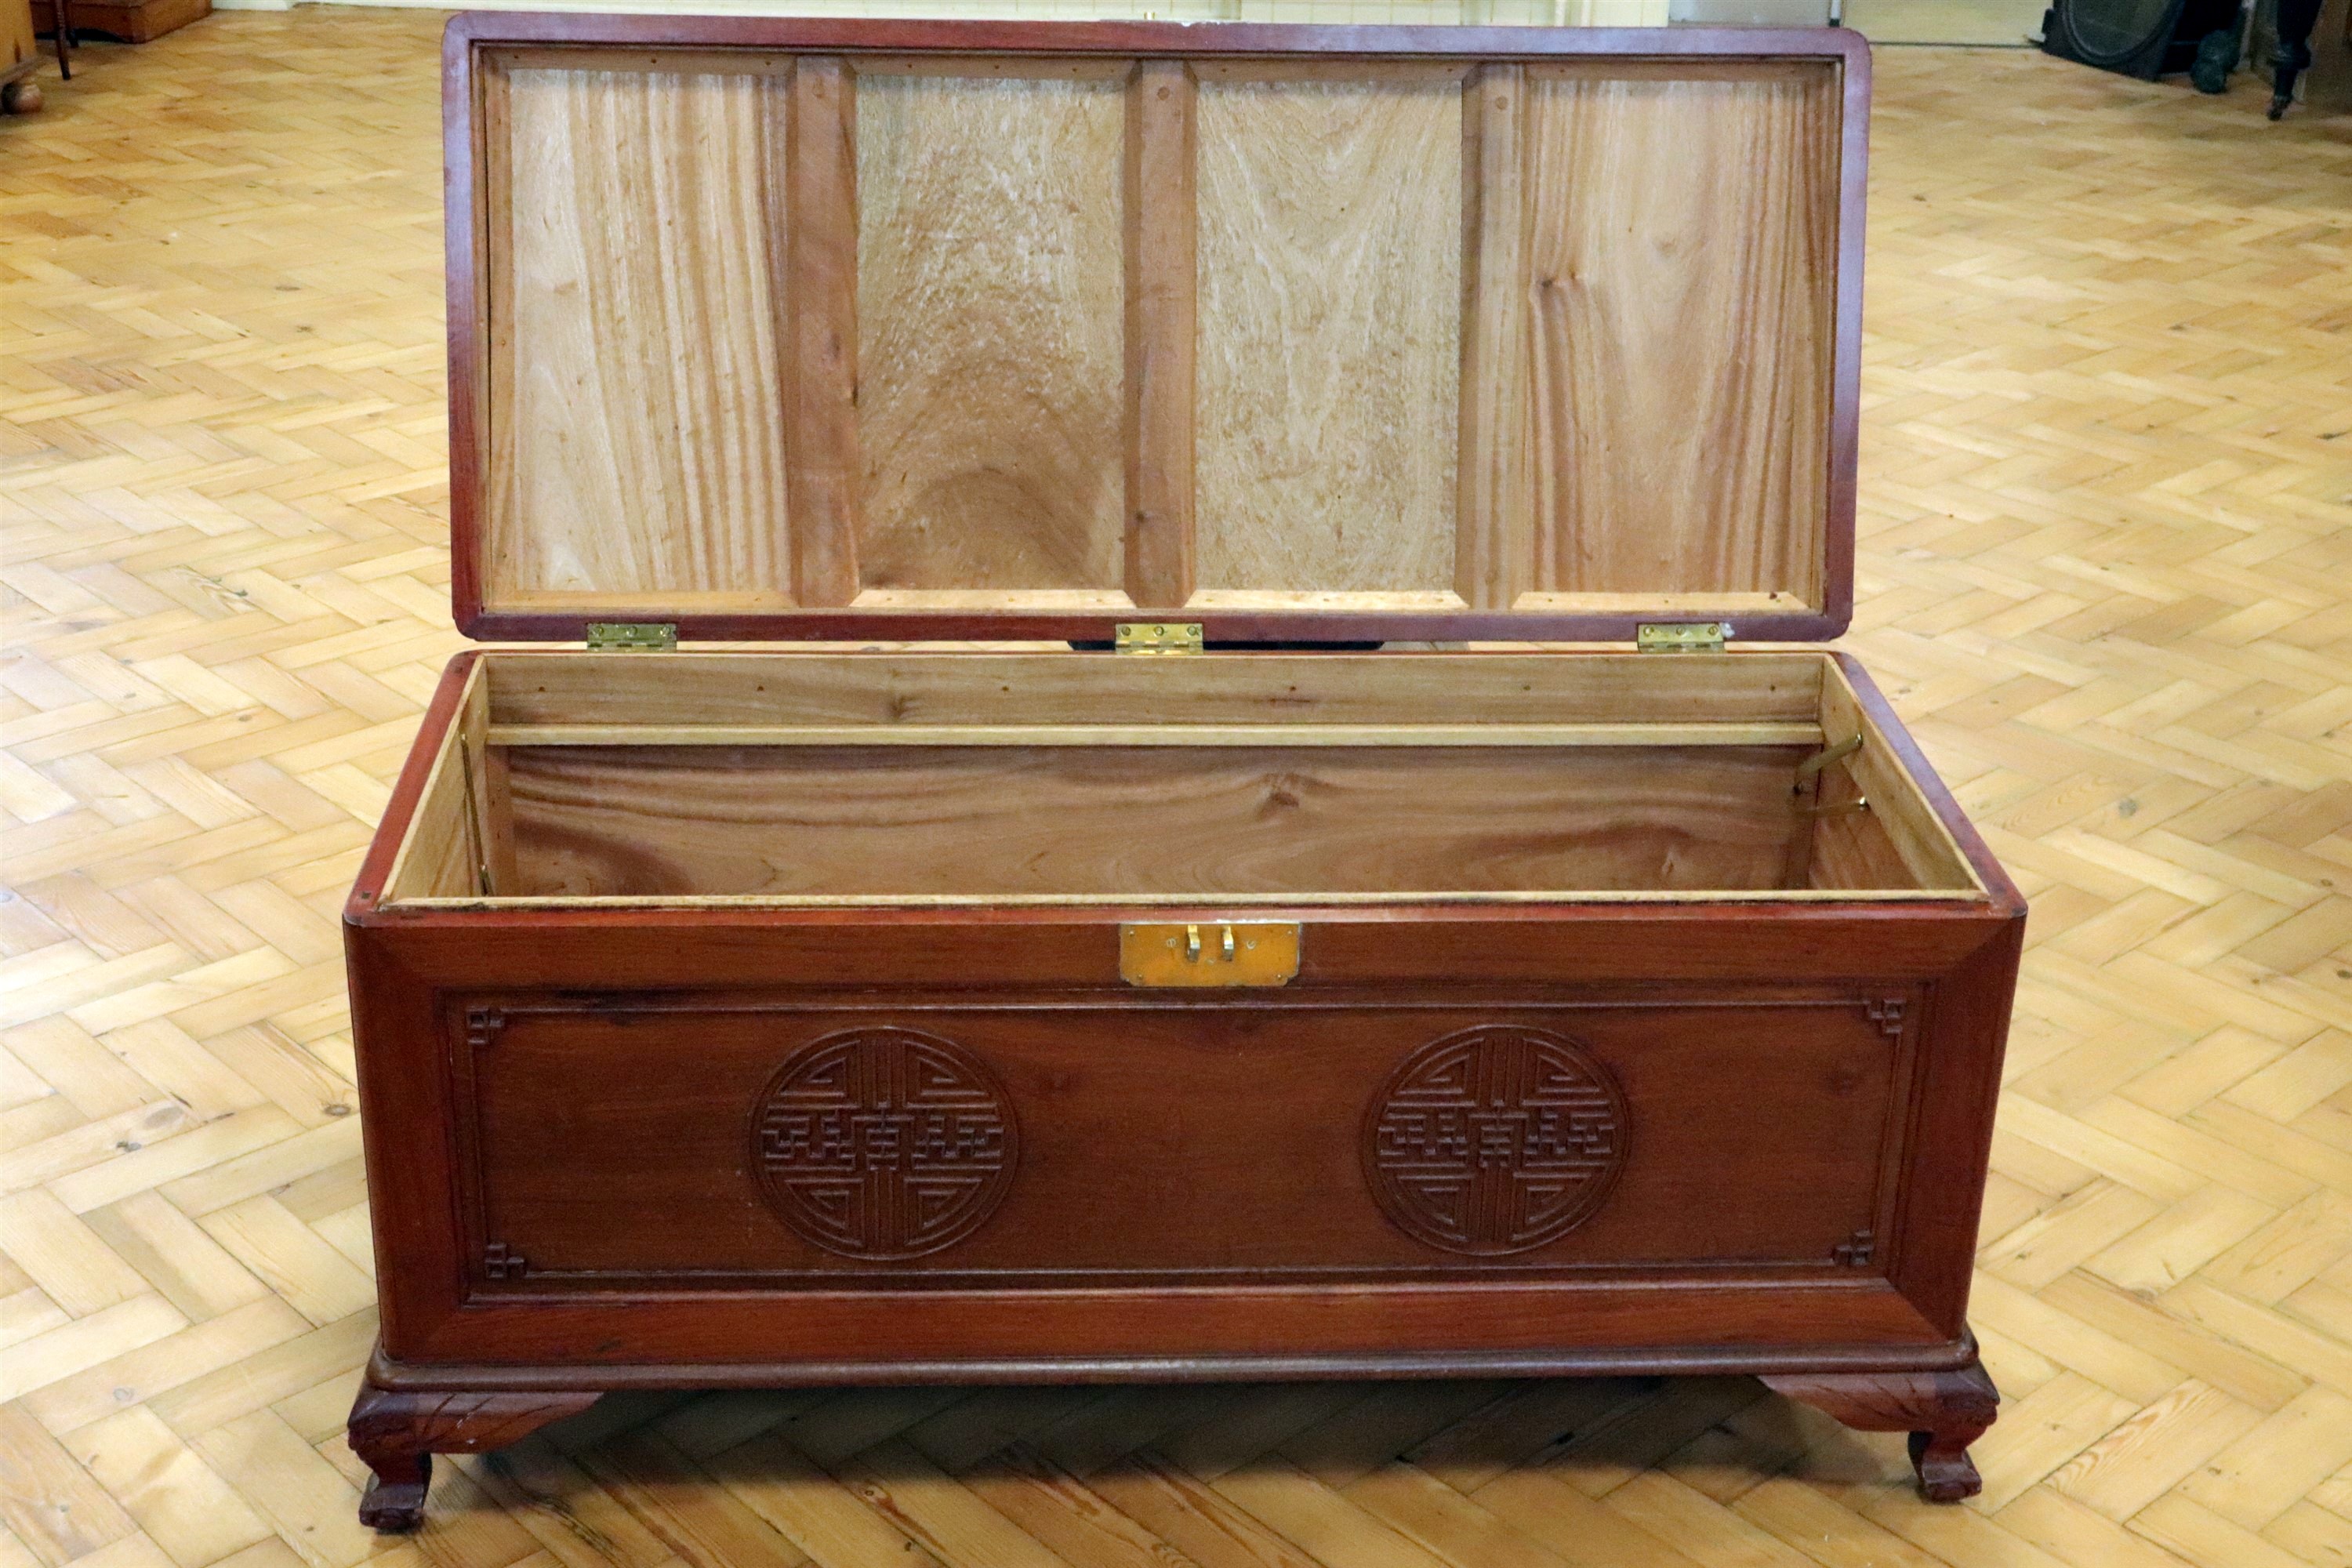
(1943, 1411)
(396, 1433)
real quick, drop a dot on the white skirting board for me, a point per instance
(1495, 13)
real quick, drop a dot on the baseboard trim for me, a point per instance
(1671, 1362)
(1495, 13)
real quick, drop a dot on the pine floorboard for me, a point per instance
(2106, 573)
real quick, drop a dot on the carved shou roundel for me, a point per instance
(1495, 1139)
(884, 1143)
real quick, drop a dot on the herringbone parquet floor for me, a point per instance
(2106, 571)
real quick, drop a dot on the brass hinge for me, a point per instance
(1159, 636)
(1682, 637)
(611, 637)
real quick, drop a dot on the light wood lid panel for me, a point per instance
(1330, 333)
(991, 288)
(1680, 233)
(635, 412)
(803, 329)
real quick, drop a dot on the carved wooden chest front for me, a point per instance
(1161, 898)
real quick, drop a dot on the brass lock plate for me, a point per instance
(1213, 952)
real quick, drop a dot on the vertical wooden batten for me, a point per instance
(1494, 542)
(1162, 244)
(1850, 106)
(494, 416)
(821, 382)
(470, 174)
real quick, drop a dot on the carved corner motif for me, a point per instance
(501, 1263)
(396, 1434)
(1496, 1140)
(884, 1144)
(1855, 1251)
(482, 1026)
(1886, 1011)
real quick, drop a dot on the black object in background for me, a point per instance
(2292, 55)
(2217, 57)
(2144, 38)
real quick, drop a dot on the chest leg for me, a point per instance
(396, 1433)
(1944, 1411)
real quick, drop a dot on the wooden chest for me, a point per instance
(1466, 966)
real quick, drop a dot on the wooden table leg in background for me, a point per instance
(19, 94)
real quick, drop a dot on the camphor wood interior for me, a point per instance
(1475, 333)
(826, 777)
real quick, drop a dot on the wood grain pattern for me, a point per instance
(1906, 825)
(1806, 735)
(1682, 287)
(436, 858)
(821, 381)
(1851, 850)
(1331, 307)
(991, 303)
(1261, 1103)
(912, 688)
(663, 733)
(1208, 820)
(1495, 549)
(1049, 361)
(1162, 332)
(637, 429)
(625, 768)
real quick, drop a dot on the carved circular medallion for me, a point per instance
(1495, 1139)
(884, 1143)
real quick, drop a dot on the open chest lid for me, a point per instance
(794, 329)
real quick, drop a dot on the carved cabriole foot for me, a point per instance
(395, 1434)
(1943, 1411)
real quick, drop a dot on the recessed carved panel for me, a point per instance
(884, 1143)
(1495, 1140)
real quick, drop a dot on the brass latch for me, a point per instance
(1255, 953)
(1682, 637)
(1158, 636)
(622, 637)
